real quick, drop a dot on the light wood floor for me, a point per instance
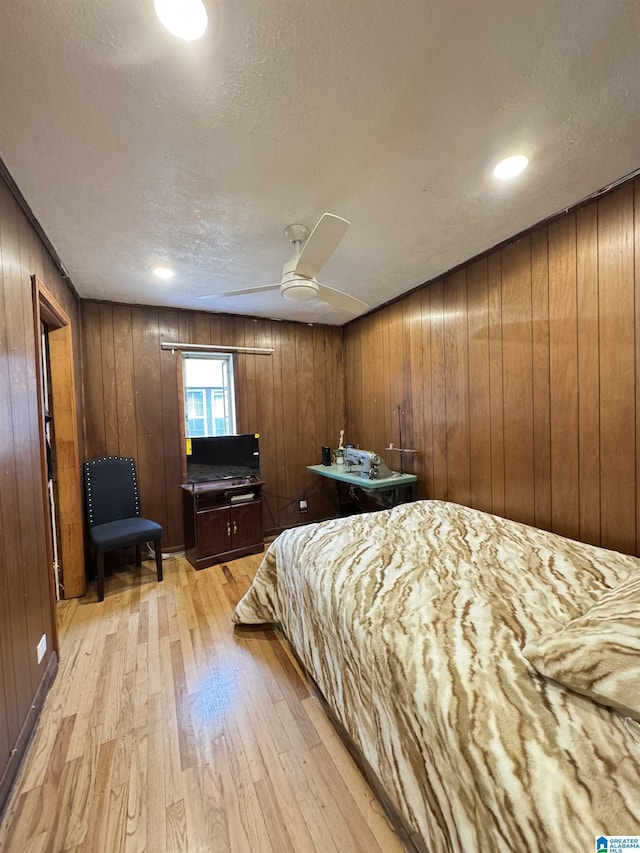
(165, 730)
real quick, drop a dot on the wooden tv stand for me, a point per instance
(222, 520)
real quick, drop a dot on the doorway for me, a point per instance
(57, 399)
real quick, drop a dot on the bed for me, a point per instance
(487, 672)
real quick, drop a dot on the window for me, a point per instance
(196, 422)
(208, 394)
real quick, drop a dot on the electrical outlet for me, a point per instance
(303, 506)
(41, 648)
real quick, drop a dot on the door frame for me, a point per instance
(48, 310)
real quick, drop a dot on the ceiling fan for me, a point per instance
(312, 251)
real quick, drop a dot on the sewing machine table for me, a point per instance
(392, 490)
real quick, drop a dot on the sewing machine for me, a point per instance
(372, 466)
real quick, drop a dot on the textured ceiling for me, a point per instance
(132, 146)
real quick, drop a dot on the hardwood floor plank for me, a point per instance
(361, 813)
(332, 755)
(286, 794)
(99, 807)
(177, 839)
(101, 705)
(136, 824)
(143, 622)
(249, 809)
(22, 821)
(38, 844)
(207, 712)
(207, 829)
(133, 628)
(217, 780)
(83, 693)
(119, 689)
(186, 737)
(156, 775)
(116, 822)
(333, 793)
(50, 721)
(82, 800)
(264, 715)
(295, 678)
(56, 833)
(312, 806)
(260, 661)
(172, 614)
(166, 721)
(185, 645)
(276, 826)
(49, 791)
(166, 729)
(163, 617)
(246, 740)
(141, 689)
(296, 691)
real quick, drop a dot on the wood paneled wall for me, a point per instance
(518, 376)
(294, 399)
(25, 607)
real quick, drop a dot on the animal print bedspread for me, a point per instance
(411, 621)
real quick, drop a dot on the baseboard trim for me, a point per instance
(26, 733)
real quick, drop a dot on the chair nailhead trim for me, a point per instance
(87, 471)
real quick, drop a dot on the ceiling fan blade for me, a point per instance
(241, 292)
(340, 300)
(320, 244)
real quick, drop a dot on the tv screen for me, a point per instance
(222, 457)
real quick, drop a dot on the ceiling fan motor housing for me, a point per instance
(296, 287)
(299, 289)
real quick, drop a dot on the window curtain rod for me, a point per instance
(168, 345)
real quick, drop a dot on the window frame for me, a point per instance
(229, 393)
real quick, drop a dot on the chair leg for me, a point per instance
(92, 563)
(158, 550)
(100, 573)
(138, 556)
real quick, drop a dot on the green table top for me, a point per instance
(342, 473)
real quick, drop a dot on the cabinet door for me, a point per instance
(213, 531)
(246, 524)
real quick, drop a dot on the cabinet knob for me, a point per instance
(228, 529)
(235, 528)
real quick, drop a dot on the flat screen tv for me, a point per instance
(222, 457)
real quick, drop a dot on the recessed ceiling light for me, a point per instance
(511, 167)
(186, 19)
(162, 271)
